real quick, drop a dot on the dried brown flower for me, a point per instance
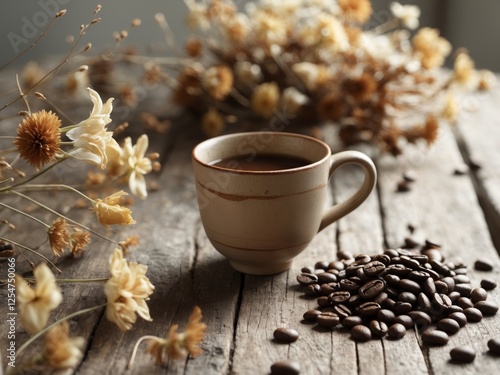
(38, 138)
(194, 47)
(58, 236)
(330, 107)
(109, 211)
(265, 99)
(218, 81)
(212, 123)
(431, 129)
(188, 87)
(356, 10)
(61, 351)
(128, 242)
(360, 88)
(78, 241)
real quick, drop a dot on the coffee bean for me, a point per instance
(386, 316)
(321, 265)
(429, 287)
(378, 329)
(396, 331)
(463, 354)
(478, 294)
(391, 253)
(383, 258)
(286, 335)
(420, 319)
(452, 309)
(349, 285)
(398, 270)
(328, 319)
(352, 321)
(494, 346)
(435, 337)
(361, 333)
(461, 279)
(392, 292)
(367, 309)
(433, 254)
(409, 285)
(450, 283)
(488, 284)
(486, 307)
(311, 314)
(454, 296)
(441, 287)
(307, 279)
(483, 265)
(419, 276)
(401, 307)
(448, 325)
(285, 368)
(374, 268)
(409, 262)
(405, 320)
(371, 289)
(312, 290)
(327, 289)
(354, 301)
(323, 301)
(361, 259)
(473, 314)
(463, 289)
(407, 297)
(459, 317)
(424, 302)
(326, 277)
(342, 311)
(306, 270)
(340, 296)
(440, 302)
(391, 280)
(344, 254)
(411, 243)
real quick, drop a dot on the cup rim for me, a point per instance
(328, 153)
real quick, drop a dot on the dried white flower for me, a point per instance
(408, 15)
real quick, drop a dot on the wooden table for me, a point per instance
(460, 212)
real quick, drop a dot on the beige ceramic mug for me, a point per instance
(261, 219)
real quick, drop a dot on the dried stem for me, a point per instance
(32, 251)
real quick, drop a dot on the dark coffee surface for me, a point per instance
(261, 162)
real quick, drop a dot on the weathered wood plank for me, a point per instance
(445, 208)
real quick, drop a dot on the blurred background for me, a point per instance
(465, 23)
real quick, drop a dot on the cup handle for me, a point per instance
(342, 209)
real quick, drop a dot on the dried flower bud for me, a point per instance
(23, 113)
(61, 13)
(40, 95)
(153, 156)
(87, 47)
(123, 34)
(97, 9)
(156, 166)
(95, 20)
(136, 22)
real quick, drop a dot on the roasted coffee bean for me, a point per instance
(321, 265)
(420, 258)
(381, 298)
(361, 259)
(494, 346)
(286, 335)
(424, 302)
(354, 301)
(410, 243)
(367, 309)
(433, 255)
(352, 321)
(459, 317)
(307, 279)
(328, 319)
(360, 272)
(386, 316)
(463, 289)
(448, 325)
(383, 258)
(488, 284)
(392, 292)
(435, 337)
(339, 296)
(478, 294)
(344, 254)
(349, 285)
(454, 296)
(486, 307)
(371, 289)
(336, 265)
(389, 303)
(374, 268)
(407, 297)
(327, 289)
(342, 311)
(420, 319)
(452, 309)
(460, 271)
(352, 270)
(419, 276)
(342, 275)
(463, 354)
(401, 307)
(405, 320)
(409, 262)
(473, 314)
(326, 277)
(391, 280)
(429, 287)
(441, 287)
(379, 329)
(450, 282)
(285, 368)
(361, 333)
(409, 285)
(391, 253)
(323, 301)
(440, 302)
(311, 314)
(306, 270)
(398, 270)
(312, 290)
(396, 331)
(461, 279)
(483, 265)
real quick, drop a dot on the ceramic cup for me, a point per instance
(260, 220)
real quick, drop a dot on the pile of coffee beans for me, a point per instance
(388, 293)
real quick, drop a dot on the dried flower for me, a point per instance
(109, 212)
(356, 10)
(35, 304)
(212, 123)
(218, 81)
(91, 140)
(61, 351)
(463, 69)
(127, 291)
(136, 165)
(450, 110)
(78, 241)
(247, 73)
(128, 242)
(188, 87)
(269, 29)
(487, 79)
(293, 100)
(265, 99)
(38, 138)
(408, 15)
(360, 88)
(193, 47)
(197, 17)
(430, 47)
(58, 236)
